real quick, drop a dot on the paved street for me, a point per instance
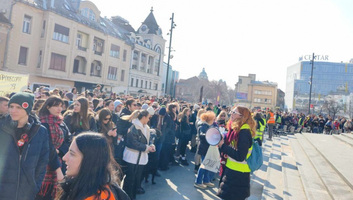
(176, 184)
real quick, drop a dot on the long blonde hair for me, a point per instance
(245, 119)
(131, 117)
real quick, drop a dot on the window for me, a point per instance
(122, 75)
(141, 83)
(146, 84)
(136, 55)
(43, 30)
(115, 51)
(92, 16)
(124, 55)
(61, 33)
(79, 40)
(22, 59)
(156, 86)
(137, 82)
(57, 62)
(98, 46)
(150, 85)
(84, 12)
(132, 82)
(26, 28)
(39, 59)
(112, 72)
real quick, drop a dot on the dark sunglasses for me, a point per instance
(107, 118)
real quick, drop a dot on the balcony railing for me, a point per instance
(98, 53)
(96, 75)
(81, 48)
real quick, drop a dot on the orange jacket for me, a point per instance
(104, 196)
(271, 120)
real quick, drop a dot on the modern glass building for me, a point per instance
(335, 79)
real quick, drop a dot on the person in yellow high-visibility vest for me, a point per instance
(235, 183)
(260, 127)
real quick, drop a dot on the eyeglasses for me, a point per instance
(235, 112)
(107, 118)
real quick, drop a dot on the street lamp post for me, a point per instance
(311, 79)
(170, 48)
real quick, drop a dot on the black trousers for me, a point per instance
(132, 179)
(165, 155)
(182, 146)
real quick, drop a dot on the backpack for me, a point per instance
(255, 159)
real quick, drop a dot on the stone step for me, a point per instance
(314, 188)
(337, 154)
(347, 140)
(273, 188)
(336, 187)
(292, 185)
(258, 178)
(348, 135)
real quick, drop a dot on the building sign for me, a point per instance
(317, 57)
(10, 82)
(241, 95)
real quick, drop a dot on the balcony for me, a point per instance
(98, 53)
(81, 48)
(96, 75)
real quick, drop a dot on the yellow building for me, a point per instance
(255, 94)
(65, 43)
(262, 94)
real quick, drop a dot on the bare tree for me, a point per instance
(332, 107)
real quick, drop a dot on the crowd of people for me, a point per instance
(70, 145)
(313, 123)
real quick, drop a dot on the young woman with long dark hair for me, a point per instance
(185, 134)
(80, 118)
(106, 126)
(50, 117)
(90, 171)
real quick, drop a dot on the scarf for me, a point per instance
(232, 140)
(56, 134)
(49, 184)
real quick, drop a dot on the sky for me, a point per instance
(232, 38)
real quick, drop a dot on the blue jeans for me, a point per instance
(203, 175)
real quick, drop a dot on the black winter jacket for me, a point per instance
(202, 128)
(123, 125)
(21, 175)
(168, 130)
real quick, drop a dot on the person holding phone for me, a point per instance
(106, 126)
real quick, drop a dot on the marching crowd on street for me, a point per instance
(74, 146)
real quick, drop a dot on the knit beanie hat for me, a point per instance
(69, 95)
(117, 103)
(162, 111)
(150, 111)
(144, 107)
(24, 99)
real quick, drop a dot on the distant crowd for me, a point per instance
(97, 141)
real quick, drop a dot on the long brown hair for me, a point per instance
(102, 115)
(183, 114)
(245, 119)
(83, 116)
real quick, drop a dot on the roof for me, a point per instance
(265, 83)
(3, 19)
(151, 23)
(68, 10)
